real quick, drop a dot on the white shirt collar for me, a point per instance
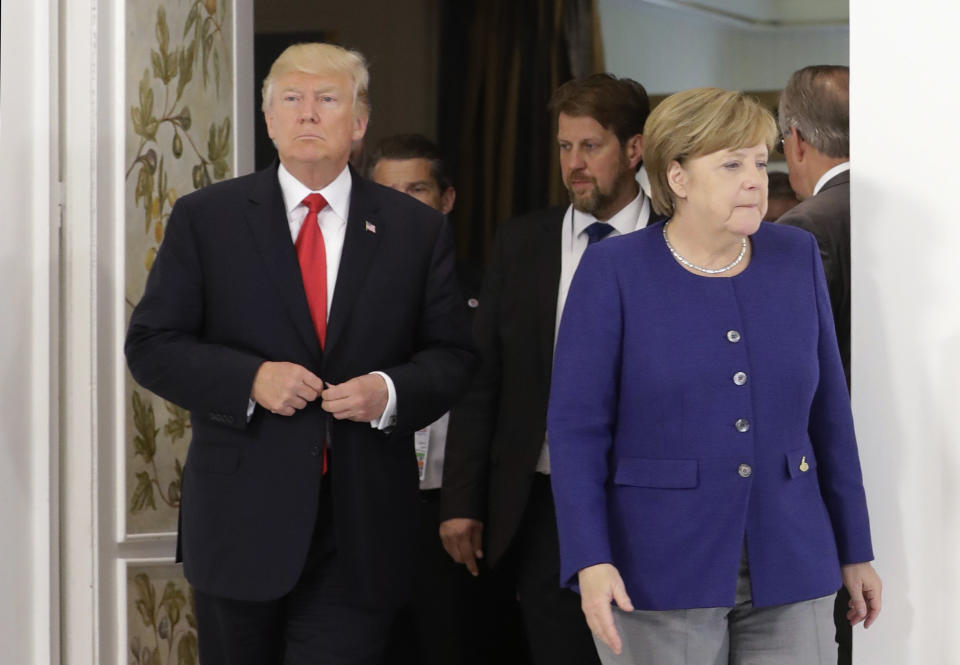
(825, 178)
(624, 221)
(337, 193)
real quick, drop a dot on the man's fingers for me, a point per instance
(476, 541)
(469, 558)
(312, 380)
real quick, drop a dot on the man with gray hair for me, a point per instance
(814, 118)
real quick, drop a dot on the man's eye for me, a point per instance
(327, 99)
(290, 98)
(564, 146)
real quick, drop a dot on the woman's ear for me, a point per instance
(677, 179)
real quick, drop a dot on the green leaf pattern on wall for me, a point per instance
(178, 138)
(161, 617)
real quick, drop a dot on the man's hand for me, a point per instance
(599, 585)
(360, 399)
(463, 539)
(283, 388)
(865, 588)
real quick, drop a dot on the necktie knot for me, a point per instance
(315, 202)
(597, 232)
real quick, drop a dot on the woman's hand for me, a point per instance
(599, 585)
(865, 588)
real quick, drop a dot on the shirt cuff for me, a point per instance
(388, 418)
(250, 407)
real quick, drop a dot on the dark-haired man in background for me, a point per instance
(814, 117)
(443, 616)
(497, 501)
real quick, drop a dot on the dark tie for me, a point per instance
(597, 232)
(312, 255)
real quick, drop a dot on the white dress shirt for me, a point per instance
(573, 243)
(333, 225)
(825, 178)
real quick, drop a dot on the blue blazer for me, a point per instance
(690, 416)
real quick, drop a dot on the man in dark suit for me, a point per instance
(438, 627)
(497, 502)
(814, 118)
(310, 321)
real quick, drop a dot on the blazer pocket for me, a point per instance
(214, 458)
(800, 462)
(658, 473)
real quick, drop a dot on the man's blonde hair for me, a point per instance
(317, 58)
(698, 122)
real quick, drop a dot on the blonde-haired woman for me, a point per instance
(703, 457)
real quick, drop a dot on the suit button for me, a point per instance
(740, 378)
(745, 471)
(742, 425)
(733, 336)
(315, 451)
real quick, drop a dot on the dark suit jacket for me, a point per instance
(497, 431)
(827, 217)
(225, 295)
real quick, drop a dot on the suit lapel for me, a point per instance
(267, 219)
(548, 285)
(364, 229)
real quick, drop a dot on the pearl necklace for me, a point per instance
(694, 266)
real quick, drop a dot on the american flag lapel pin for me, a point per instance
(369, 227)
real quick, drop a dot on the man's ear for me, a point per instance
(677, 179)
(633, 148)
(446, 200)
(800, 144)
(360, 121)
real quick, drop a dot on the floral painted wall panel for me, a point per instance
(161, 616)
(179, 115)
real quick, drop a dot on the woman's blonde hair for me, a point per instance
(317, 58)
(698, 122)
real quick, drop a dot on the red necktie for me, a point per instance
(312, 255)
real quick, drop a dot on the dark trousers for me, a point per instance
(454, 618)
(317, 623)
(556, 629)
(844, 630)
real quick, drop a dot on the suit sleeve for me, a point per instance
(472, 423)
(832, 435)
(443, 362)
(582, 415)
(164, 346)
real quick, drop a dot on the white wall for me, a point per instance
(669, 50)
(906, 320)
(28, 518)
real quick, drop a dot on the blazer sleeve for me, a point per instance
(441, 366)
(832, 435)
(164, 348)
(472, 423)
(582, 416)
